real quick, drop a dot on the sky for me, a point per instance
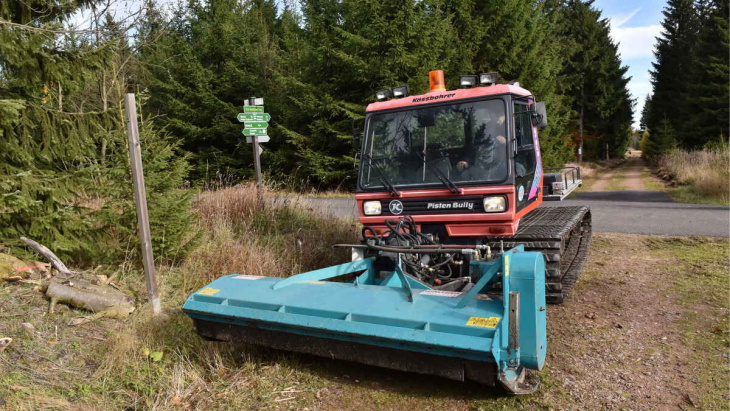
(634, 26)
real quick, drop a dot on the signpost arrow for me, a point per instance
(243, 117)
(254, 132)
(258, 124)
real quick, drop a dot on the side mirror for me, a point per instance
(539, 114)
(357, 126)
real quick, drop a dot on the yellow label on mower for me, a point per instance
(490, 322)
(208, 291)
(506, 265)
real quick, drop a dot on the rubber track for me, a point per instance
(563, 235)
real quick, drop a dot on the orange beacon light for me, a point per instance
(436, 80)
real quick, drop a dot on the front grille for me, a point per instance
(449, 205)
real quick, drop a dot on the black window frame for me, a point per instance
(507, 99)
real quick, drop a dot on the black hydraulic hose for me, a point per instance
(407, 250)
(372, 230)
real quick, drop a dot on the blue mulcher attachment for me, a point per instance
(391, 319)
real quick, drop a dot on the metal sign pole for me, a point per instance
(255, 122)
(140, 199)
(257, 166)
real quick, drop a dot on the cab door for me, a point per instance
(525, 164)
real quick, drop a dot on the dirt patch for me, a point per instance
(627, 176)
(632, 175)
(603, 182)
(616, 344)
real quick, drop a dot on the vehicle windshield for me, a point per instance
(464, 142)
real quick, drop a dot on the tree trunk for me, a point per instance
(580, 136)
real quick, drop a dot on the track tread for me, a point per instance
(563, 235)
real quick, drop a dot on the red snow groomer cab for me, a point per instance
(465, 166)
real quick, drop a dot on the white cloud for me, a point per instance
(633, 42)
(636, 42)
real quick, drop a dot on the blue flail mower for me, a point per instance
(486, 334)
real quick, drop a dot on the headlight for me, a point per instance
(495, 204)
(372, 208)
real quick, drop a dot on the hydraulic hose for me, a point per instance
(419, 250)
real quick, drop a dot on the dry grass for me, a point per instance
(705, 174)
(277, 241)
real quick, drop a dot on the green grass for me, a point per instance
(616, 181)
(702, 286)
(688, 194)
(652, 183)
(685, 193)
(682, 193)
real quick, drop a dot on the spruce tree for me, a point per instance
(49, 133)
(672, 76)
(596, 81)
(64, 167)
(519, 39)
(644, 121)
(710, 96)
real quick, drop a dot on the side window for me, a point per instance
(525, 162)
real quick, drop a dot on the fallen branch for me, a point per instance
(48, 254)
(84, 294)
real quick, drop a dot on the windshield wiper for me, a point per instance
(440, 175)
(383, 179)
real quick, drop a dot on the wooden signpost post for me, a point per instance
(140, 199)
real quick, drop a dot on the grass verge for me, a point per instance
(702, 286)
(703, 175)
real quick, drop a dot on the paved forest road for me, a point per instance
(629, 208)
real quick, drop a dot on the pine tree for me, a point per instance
(644, 121)
(519, 39)
(708, 103)
(62, 119)
(661, 140)
(49, 133)
(597, 81)
(672, 78)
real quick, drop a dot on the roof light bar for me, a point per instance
(488, 78)
(400, 91)
(383, 94)
(468, 81)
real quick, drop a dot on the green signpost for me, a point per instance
(245, 117)
(255, 122)
(254, 131)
